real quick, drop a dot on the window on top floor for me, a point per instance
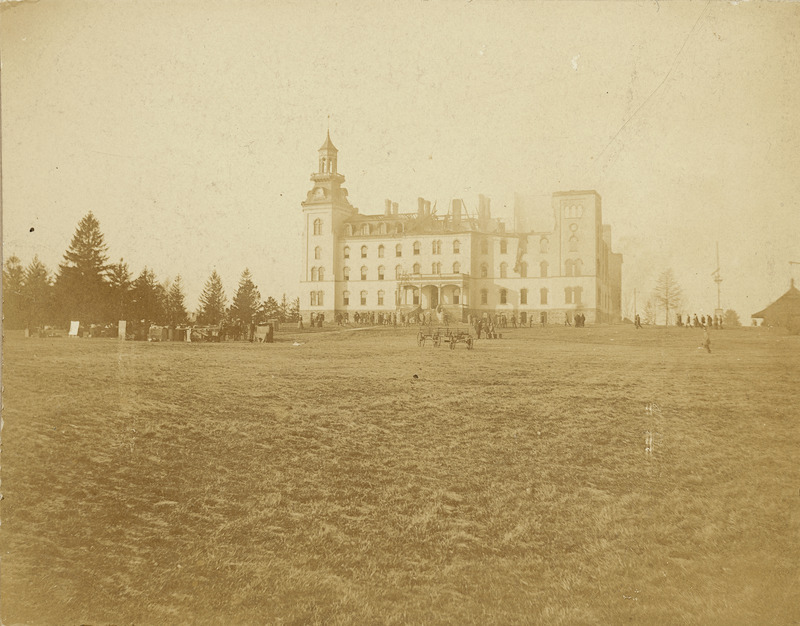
(317, 226)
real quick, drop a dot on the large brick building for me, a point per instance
(455, 262)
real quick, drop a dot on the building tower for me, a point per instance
(325, 208)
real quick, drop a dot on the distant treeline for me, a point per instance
(89, 289)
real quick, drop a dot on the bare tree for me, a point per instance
(667, 293)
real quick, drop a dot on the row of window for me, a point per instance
(436, 248)
(572, 295)
(573, 268)
(436, 268)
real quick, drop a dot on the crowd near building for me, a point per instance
(450, 264)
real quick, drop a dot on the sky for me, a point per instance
(190, 129)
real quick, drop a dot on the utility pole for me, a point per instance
(718, 280)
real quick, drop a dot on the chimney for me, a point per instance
(427, 207)
(420, 207)
(456, 212)
(388, 209)
(394, 208)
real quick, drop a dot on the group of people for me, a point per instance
(580, 320)
(704, 321)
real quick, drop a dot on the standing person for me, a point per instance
(706, 341)
(637, 321)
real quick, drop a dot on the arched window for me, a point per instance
(503, 246)
(383, 228)
(364, 273)
(314, 274)
(437, 268)
(573, 244)
(436, 247)
(416, 247)
(544, 244)
(313, 298)
(569, 266)
(380, 272)
(363, 252)
(484, 270)
(484, 296)
(484, 246)
(317, 226)
(398, 272)
(320, 294)
(504, 270)
(346, 273)
(543, 269)
(543, 295)
(576, 294)
(578, 267)
(568, 295)
(398, 250)
(456, 268)
(416, 268)
(456, 247)
(523, 296)
(380, 298)
(348, 230)
(365, 229)
(317, 253)
(380, 251)
(322, 273)
(347, 252)
(456, 296)
(523, 269)
(503, 296)
(363, 298)
(346, 298)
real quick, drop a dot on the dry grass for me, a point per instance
(322, 483)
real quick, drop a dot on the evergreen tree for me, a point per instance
(246, 301)
(731, 319)
(81, 285)
(212, 301)
(176, 309)
(37, 293)
(148, 299)
(294, 310)
(119, 278)
(284, 314)
(270, 309)
(13, 298)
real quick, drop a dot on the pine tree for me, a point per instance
(270, 309)
(176, 309)
(81, 285)
(119, 278)
(13, 298)
(148, 299)
(37, 294)
(212, 301)
(284, 314)
(294, 310)
(667, 293)
(246, 301)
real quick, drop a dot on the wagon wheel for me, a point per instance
(469, 343)
(420, 339)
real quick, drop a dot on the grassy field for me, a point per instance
(325, 483)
